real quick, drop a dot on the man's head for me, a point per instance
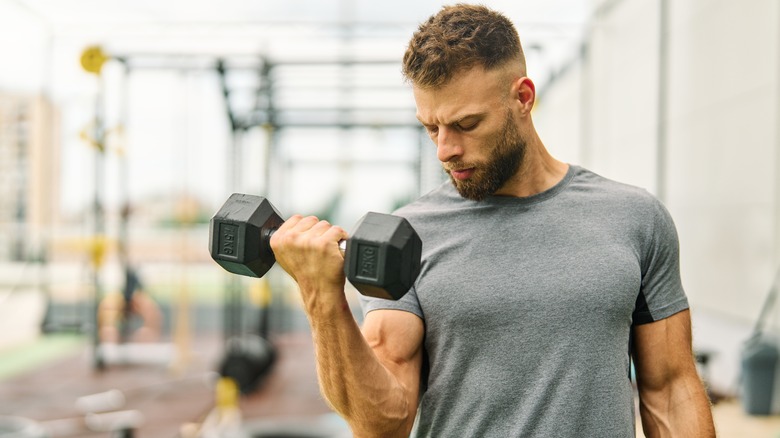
(457, 38)
(467, 70)
(504, 152)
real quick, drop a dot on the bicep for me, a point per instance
(663, 351)
(396, 338)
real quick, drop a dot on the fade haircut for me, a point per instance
(457, 38)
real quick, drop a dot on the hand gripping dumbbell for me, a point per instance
(381, 259)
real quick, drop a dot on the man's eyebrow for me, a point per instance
(458, 119)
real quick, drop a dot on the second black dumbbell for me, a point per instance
(381, 258)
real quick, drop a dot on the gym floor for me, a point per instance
(41, 379)
(167, 397)
(170, 397)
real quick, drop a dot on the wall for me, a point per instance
(711, 156)
(720, 163)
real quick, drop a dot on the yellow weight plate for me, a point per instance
(93, 58)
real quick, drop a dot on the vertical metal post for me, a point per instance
(266, 94)
(663, 66)
(777, 142)
(233, 308)
(232, 299)
(98, 223)
(124, 190)
(124, 199)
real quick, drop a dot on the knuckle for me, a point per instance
(277, 240)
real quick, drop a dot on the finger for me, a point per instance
(320, 228)
(335, 233)
(329, 235)
(304, 224)
(290, 223)
(279, 235)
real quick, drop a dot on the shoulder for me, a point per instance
(589, 181)
(593, 187)
(630, 209)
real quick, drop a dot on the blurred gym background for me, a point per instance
(124, 125)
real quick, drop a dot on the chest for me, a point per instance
(529, 278)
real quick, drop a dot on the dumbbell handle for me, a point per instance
(342, 242)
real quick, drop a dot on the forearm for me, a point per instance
(673, 402)
(681, 409)
(352, 379)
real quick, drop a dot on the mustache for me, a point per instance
(457, 166)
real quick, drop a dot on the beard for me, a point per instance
(507, 150)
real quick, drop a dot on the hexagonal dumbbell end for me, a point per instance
(382, 258)
(239, 235)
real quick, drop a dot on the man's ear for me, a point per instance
(525, 93)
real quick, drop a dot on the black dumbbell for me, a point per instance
(381, 259)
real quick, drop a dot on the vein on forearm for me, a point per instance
(352, 379)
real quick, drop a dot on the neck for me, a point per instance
(538, 172)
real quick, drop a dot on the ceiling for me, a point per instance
(302, 29)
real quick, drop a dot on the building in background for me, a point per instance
(29, 157)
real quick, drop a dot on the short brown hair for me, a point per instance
(457, 38)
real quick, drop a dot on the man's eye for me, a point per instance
(466, 126)
(432, 130)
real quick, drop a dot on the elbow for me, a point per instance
(680, 408)
(386, 424)
(383, 431)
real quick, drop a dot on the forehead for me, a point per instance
(472, 91)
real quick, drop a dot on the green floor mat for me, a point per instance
(22, 358)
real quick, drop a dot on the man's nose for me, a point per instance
(448, 145)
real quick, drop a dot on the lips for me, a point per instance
(462, 174)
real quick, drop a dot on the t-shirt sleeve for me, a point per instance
(661, 294)
(408, 303)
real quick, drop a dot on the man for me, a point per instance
(116, 312)
(539, 279)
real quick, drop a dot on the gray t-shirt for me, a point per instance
(528, 305)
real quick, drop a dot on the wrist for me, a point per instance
(323, 302)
